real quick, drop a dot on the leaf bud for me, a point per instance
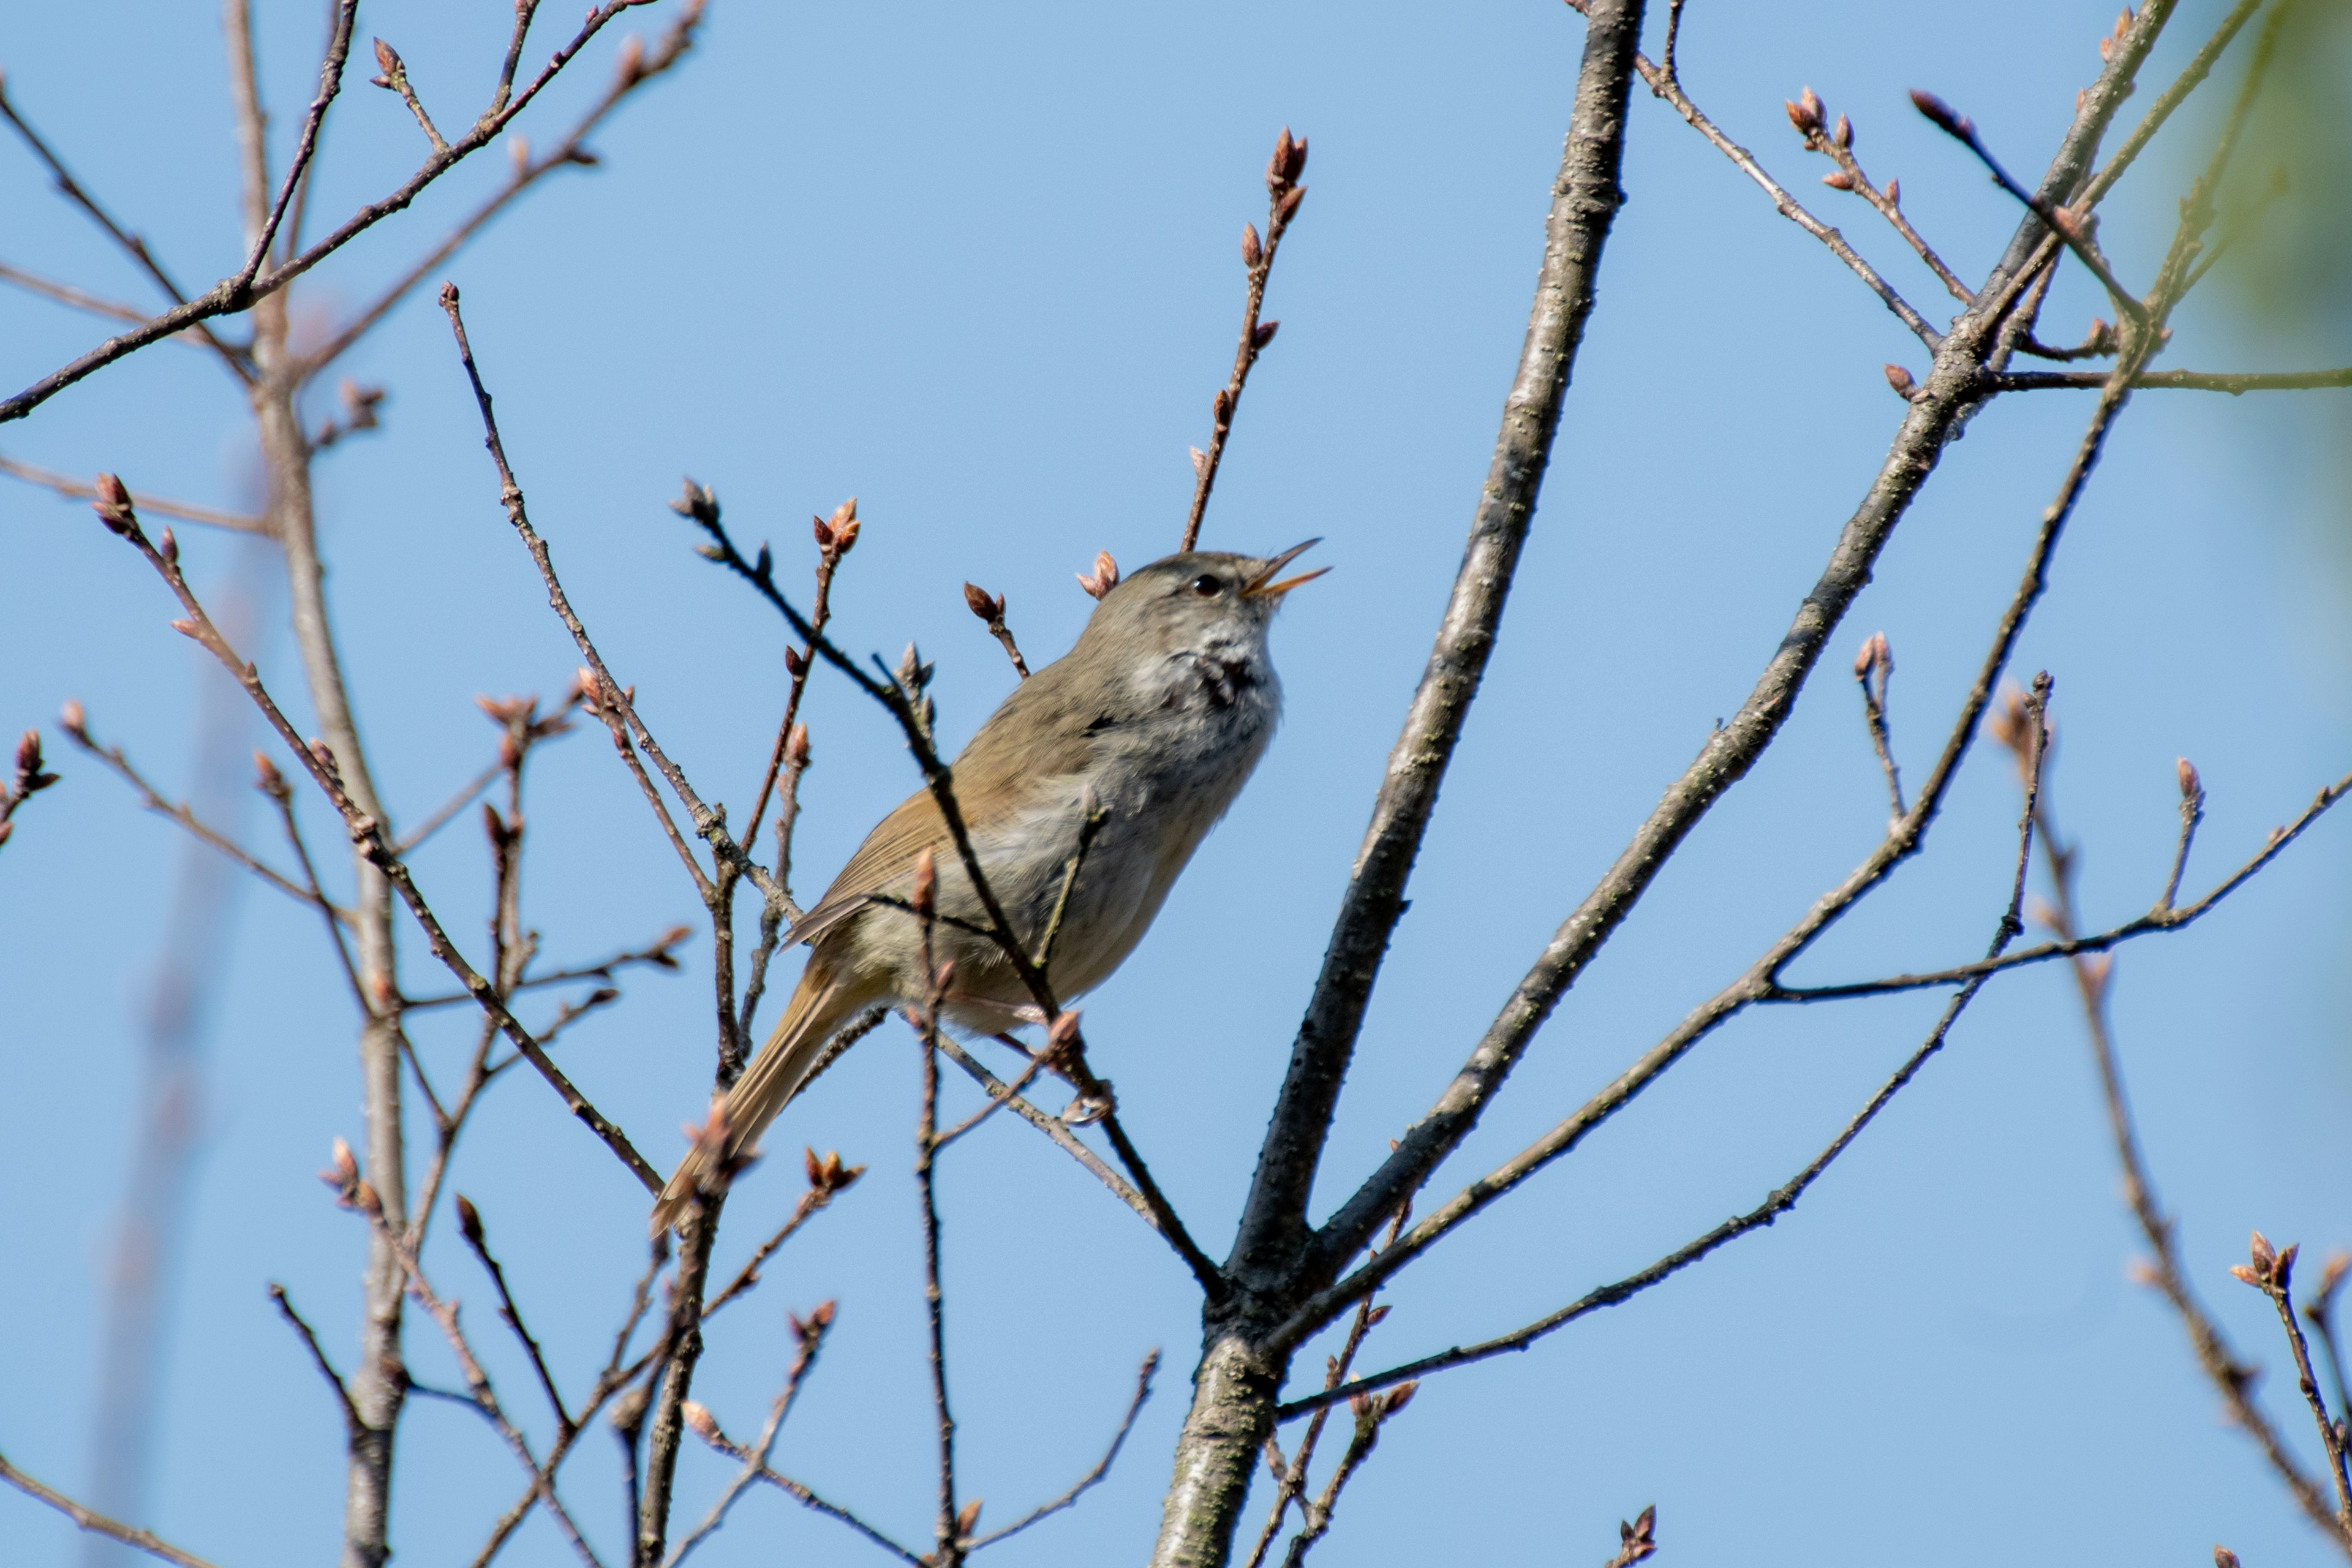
(1900, 380)
(1251, 251)
(926, 884)
(2192, 787)
(796, 748)
(1838, 180)
(1947, 118)
(705, 1424)
(71, 719)
(977, 600)
(1264, 334)
(1845, 131)
(968, 1520)
(469, 1220)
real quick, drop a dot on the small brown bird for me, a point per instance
(1155, 719)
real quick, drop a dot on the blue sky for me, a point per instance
(979, 267)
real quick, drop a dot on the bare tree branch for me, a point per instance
(98, 1523)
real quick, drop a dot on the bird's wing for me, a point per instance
(887, 856)
(1035, 736)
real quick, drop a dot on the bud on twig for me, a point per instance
(266, 778)
(796, 748)
(967, 1520)
(71, 719)
(1844, 137)
(2223, 1556)
(977, 600)
(1251, 251)
(469, 1220)
(1893, 192)
(113, 506)
(1264, 334)
(387, 62)
(1947, 118)
(2192, 788)
(705, 1424)
(926, 885)
(1102, 579)
(1900, 380)
(1838, 180)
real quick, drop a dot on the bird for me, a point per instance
(1150, 724)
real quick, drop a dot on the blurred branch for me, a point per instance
(711, 1433)
(67, 485)
(2194, 380)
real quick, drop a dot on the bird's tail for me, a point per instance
(821, 1004)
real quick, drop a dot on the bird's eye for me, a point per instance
(1207, 586)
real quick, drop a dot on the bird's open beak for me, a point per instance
(1263, 586)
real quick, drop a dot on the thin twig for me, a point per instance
(1781, 1201)
(2231, 1378)
(811, 1335)
(239, 362)
(1284, 192)
(367, 832)
(121, 765)
(2235, 383)
(658, 956)
(810, 1499)
(240, 292)
(353, 1422)
(98, 1523)
(1669, 87)
(1102, 1465)
(470, 1225)
(185, 511)
(569, 151)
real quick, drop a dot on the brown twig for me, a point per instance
(1783, 1198)
(241, 291)
(367, 832)
(989, 608)
(719, 1439)
(615, 1377)
(810, 1335)
(1664, 83)
(1635, 1540)
(1836, 143)
(570, 151)
(2230, 1377)
(98, 1523)
(272, 783)
(75, 725)
(1284, 192)
(240, 361)
(1102, 1465)
(952, 1531)
(1291, 1476)
(353, 1421)
(2235, 383)
(67, 485)
(828, 1178)
(658, 956)
(1873, 671)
